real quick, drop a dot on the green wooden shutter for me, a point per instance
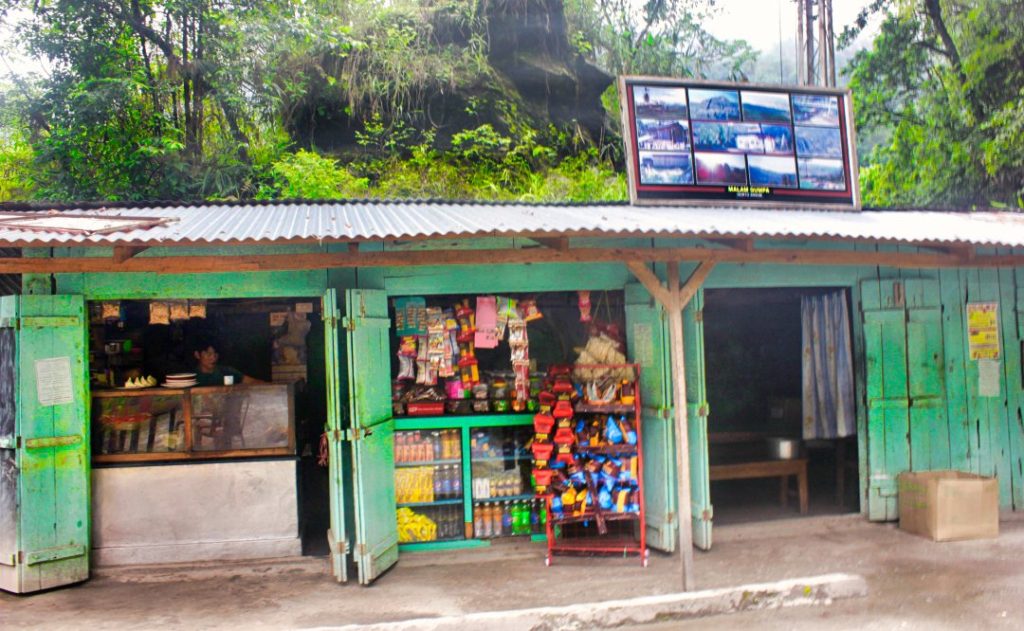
(885, 356)
(647, 333)
(49, 445)
(697, 412)
(369, 373)
(926, 376)
(336, 388)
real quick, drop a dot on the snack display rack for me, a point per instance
(570, 462)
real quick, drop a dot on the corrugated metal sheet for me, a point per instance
(290, 222)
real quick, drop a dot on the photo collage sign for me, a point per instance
(734, 142)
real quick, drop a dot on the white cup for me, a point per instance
(229, 380)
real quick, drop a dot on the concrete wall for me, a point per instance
(195, 512)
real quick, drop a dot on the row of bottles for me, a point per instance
(503, 519)
(428, 484)
(426, 446)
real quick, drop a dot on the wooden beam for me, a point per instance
(329, 260)
(555, 243)
(124, 252)
(965, 253)
(743, 244)
(694, 283)
(652, 283)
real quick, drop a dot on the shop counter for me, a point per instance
(167, 424)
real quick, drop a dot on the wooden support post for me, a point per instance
(674, 299)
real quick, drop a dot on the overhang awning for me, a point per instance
(354, 221)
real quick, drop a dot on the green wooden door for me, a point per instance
(46, 380)
(926, 376)
(373, 457)
(906, 394)
(336, 388)
(647, 331)
(701, 512)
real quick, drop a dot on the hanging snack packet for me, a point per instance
(485, 333)
(604, 499)
(584, 304)
(529, 311)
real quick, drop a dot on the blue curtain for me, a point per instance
(828, 404)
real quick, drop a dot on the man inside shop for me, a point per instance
(210, 373)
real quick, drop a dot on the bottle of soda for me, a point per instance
(506, 519)
(478, 522)
(517, 518)
(456, 481)
(435, 444)
(535, 516)
(438, 484)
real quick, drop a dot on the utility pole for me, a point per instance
(816, 64)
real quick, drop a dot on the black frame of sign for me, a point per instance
(703, 142)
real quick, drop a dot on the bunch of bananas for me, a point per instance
(415, 527)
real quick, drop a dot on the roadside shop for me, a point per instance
(88, 467)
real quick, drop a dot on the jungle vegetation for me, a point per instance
(467, 99)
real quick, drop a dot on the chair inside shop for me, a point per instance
(225, 424)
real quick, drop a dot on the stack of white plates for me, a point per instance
(180, 380)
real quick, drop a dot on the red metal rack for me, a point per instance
(611, 543)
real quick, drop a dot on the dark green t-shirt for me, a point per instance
(216, 378)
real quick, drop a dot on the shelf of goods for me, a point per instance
(463, 481)
(587, 462)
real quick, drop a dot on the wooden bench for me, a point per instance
(783, 469)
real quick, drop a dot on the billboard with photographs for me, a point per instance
(692, 141)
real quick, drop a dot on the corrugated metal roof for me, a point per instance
(291, 222)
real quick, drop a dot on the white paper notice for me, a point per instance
(988, 378)
(53, 381)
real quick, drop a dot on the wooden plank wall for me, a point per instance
(983, 435)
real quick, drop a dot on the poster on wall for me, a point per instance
(983, 330)
(694, 141)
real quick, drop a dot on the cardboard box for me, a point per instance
(949, 505)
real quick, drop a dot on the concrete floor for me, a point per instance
(914, 584)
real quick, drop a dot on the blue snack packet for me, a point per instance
(612, 432)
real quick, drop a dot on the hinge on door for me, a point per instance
(349, 323)
(360, 551)
(358, 433)
(703, 410)
(707, 515)
(699, 315)
(670, 518)
(664, 413)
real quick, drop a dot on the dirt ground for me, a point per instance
(914, 584)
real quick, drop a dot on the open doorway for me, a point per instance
(762, 436)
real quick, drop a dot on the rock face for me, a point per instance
(530, 47)
(532, 67)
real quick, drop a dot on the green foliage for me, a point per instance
(306, 175)
(16, 180)
(657, 37)
(942, 88)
